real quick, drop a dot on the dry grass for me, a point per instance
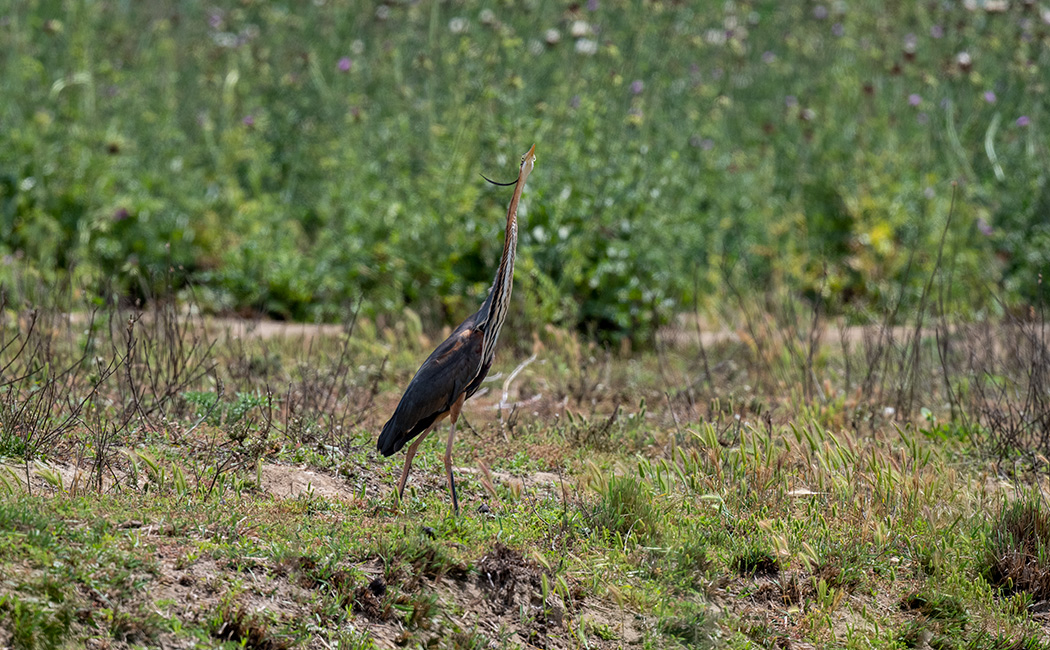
(682, 499)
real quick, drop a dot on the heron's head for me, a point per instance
(527, 161)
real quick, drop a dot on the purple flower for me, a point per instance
(922, 118)
(768, 57)
(838, 30)
(914, 99)
(820, 12)
(937, 31)
(592, 5)
(984, 227)
(1023, 121)
(121, 214)
(575, 101)
(790, 100)
(637, 86)
(215, 19)
(989, 97)
(344, 64)
(707, 144)
(248, 121)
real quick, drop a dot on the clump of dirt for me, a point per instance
(368, 600)
(507, 578)
(287, 482)
(512, 585)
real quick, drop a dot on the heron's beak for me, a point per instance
(527, 163)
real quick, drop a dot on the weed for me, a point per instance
(937, 606)
(692, 561)
(33, 624)
(1017, 556)
(233, 623)
(625, 508)
(689, 623)
(421, 556)
(755, 562)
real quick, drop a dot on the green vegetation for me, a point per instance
(827, 224)
(195, 483)
(289, 158)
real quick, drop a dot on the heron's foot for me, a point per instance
(452, 488)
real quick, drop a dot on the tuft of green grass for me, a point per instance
(689, 623)
(232, 622)
(35, 624)
(755, 562)
(1017, 555)
(936, 605)
(626, 508)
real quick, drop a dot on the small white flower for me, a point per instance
(889, 411)
(586, 46)
(487, 17)
(580, 28)
(552, 36)
(457, 25)
(382, 12)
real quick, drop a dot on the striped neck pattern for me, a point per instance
(499, 296)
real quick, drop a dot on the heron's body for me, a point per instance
(454, 371)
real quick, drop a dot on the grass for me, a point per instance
(853, 457)
(246, 508)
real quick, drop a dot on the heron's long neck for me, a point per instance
(499, 295)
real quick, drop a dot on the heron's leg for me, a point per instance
(408, 459)
(453, 416)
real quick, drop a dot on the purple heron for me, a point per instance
(453, 372)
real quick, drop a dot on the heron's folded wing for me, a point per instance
(437, 384)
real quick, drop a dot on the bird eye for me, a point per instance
(523, 160)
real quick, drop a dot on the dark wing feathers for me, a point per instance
(441, 379)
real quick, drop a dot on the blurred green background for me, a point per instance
(291, 158)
